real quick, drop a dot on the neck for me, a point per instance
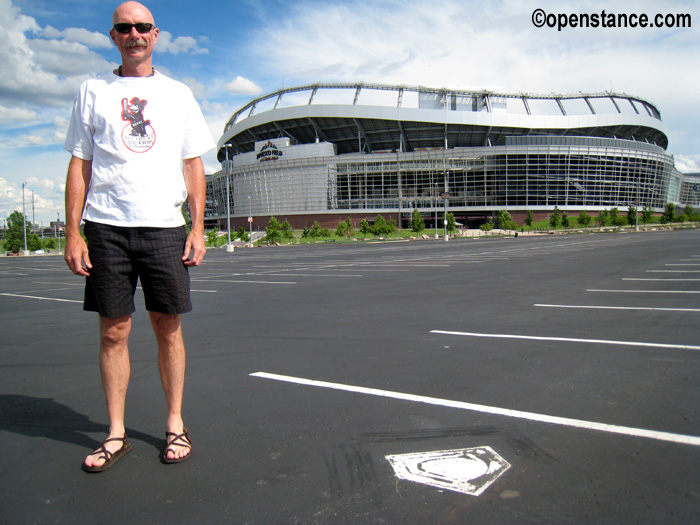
(139, 70)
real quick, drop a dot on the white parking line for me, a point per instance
(663, 279)
(673, 271)
(40, 298)
(644, 291)
(569, 340)
(241, 281)
(541, 418)
(619, 307)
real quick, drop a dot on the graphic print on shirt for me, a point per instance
(138, 135)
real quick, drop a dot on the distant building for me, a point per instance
(330, 151)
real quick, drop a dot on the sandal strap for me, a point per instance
(184, 439)
(106, 454)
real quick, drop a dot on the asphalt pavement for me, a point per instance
(548, 379)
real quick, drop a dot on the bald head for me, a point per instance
(135, 47)
(132, 12)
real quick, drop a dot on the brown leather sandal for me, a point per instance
(179, 440)
(109, 457)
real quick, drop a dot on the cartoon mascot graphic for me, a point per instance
(138, 135)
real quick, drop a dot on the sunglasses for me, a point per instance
(141, 27)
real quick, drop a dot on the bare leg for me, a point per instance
(171, 361)
(116, 370)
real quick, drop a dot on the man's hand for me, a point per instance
(194, 246)
(77, 257)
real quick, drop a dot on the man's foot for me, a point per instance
(107, 455)
(178, 447)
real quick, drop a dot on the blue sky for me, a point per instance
(231, 51)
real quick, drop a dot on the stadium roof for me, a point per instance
(360, 117)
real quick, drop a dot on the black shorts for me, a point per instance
(120, 256)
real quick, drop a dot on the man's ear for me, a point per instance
(113, 36)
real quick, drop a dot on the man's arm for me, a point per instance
(77, 184)
(193, 170)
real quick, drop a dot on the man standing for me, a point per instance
(136, 138)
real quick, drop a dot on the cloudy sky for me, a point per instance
(229, 51)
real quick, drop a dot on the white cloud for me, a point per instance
(487, 45)
(685, 164)
(44, 174)
(91, 39)
(182, 44)
(243, 86)
(37, 71)
(15, 115)
(198, 89)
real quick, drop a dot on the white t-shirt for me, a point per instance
(136, 131)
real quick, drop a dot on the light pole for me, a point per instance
(250, 222)
(58, 237)
(436, 208)
(229, 246)
(24, 221)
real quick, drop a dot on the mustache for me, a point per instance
(136, 43)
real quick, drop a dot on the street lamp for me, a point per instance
(250, 222)
(436, 208)
(58, 237)
(229, 246)
(24, 221)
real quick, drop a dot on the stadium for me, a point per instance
(326, 152)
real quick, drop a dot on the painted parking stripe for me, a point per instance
(40, 298)
(241, 281)
(673, 271)
(644, 291)
(662, 279)
(531, 416)
(569, 340)
(618, 307)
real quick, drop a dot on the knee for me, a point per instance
(167, 327)
(115, 332)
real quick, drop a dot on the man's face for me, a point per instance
(134, 45)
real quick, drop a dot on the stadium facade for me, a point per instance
(330, 151)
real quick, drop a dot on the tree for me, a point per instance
(505, 221)
(565, 220)
(33, 242)
(604, 218)
(417, 222)
(272, 232)
(669, 213)
(345, 229)
(211, 237)
(381, 227)
(529, 217)
(15, 232)
(451, 223)
(554, 218)
(287, 231)
(647, 215)
(584, 219)
(632, 215)
(616, 219)
(487, 226)
(242, 234)
(365, 227)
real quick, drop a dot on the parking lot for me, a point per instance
(536, 379)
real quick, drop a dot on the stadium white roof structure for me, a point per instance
(359, 117)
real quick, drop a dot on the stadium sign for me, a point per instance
(269, 151)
